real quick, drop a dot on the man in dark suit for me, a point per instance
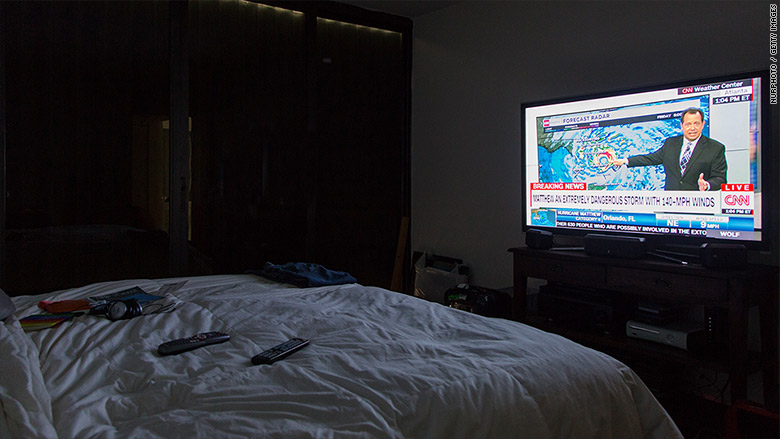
(691, 161)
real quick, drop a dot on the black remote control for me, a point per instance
(178, 346)
(279, 351)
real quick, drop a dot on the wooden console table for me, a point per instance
(732, 291)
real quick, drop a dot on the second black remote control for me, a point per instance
(178, 346)
(279, 351)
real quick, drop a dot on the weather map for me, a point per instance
(582, 152)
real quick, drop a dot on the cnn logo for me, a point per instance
(738, 200)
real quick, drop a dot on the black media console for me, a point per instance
(728, 292)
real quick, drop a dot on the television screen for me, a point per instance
(619, 163)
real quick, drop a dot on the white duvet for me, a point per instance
(379, 365)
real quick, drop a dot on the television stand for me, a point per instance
(729, 292)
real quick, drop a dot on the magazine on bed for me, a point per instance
(127, 303)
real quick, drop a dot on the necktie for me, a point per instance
(685, 157)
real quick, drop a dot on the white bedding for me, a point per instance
(379, 365)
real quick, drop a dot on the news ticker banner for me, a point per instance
(572, 205)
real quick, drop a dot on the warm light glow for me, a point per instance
(325, 20)
(358, 26)
(275, 8)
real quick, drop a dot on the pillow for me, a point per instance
(6, 306)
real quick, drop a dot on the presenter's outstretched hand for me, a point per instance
(704, 185)
(618, 162)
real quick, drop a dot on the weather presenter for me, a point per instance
(691, 161)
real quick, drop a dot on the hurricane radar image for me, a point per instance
(584, 154)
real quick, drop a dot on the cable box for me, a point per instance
(631, 247)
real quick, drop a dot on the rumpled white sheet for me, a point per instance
(380, 365)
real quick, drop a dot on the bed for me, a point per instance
(379, 364)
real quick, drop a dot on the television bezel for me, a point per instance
(769, 155)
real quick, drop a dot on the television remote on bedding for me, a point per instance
(180, 345)
(279, 351)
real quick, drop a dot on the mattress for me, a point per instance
(379, 364)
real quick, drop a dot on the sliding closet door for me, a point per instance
(154, 138)
(360, 114)
(87, 103)
(299, 138)
(251, 150)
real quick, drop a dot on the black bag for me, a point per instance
(479, 300)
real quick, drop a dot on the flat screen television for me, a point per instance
(575, 179)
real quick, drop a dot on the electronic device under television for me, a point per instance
(572, 186)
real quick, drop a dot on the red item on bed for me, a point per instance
(61, 306)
